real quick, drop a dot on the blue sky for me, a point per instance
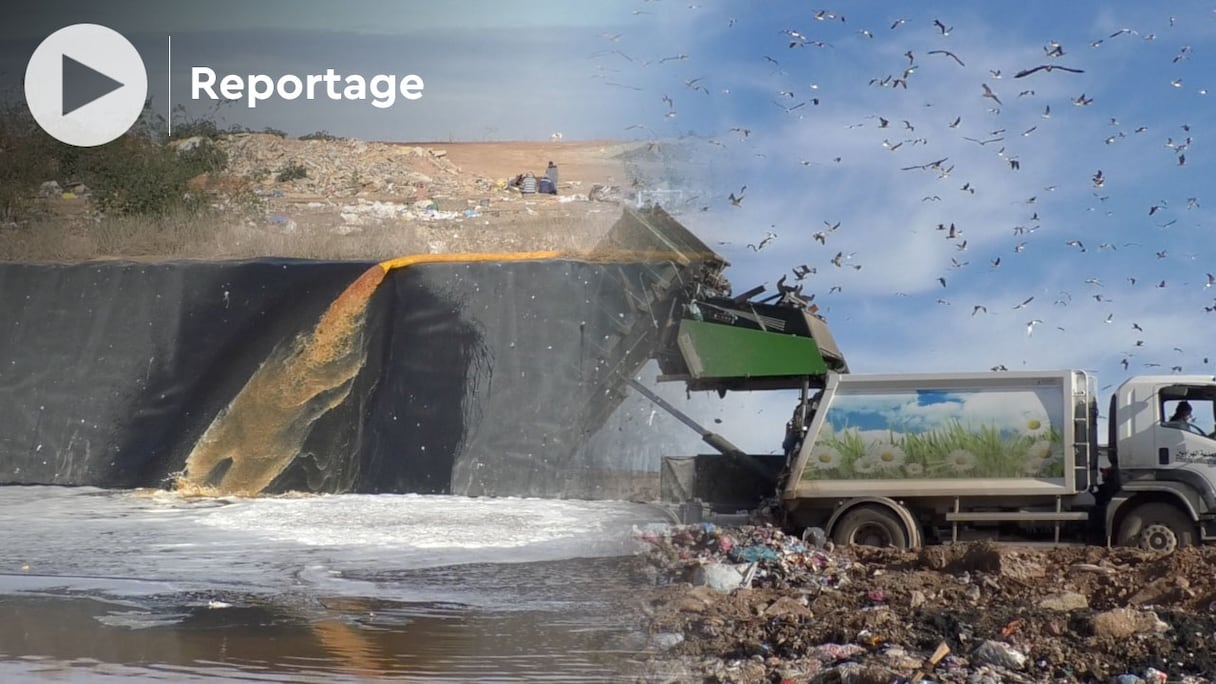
(1008, 410)
(1050, 266)
(1117, 269)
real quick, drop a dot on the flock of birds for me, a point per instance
(1000, 111)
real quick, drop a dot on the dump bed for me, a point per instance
(737, 343)
(947, 435)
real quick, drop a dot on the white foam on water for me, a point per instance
(147, 541)
(425, 522)
(157, 560)
(140, 619)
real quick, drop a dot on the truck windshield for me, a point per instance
(1194, 414)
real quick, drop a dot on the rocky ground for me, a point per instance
(750, 604)
(354, 199)
(447, 197)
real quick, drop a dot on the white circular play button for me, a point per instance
(85, 85)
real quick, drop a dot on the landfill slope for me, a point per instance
(363, 200)
(470, 373)
(481, 377)
(751, 604)
(435, 197)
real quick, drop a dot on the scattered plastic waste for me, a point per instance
(755, 604)
(999, 654)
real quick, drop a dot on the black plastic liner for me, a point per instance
(110, 371)
(472, 378)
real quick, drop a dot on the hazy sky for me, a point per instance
(391, 17)
(1081, 203)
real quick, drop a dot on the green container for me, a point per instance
(715, 350)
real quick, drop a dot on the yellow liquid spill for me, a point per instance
(264, 427)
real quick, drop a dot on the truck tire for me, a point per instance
(1156, 526)
(870, 526)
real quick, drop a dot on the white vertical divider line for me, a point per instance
(169, 96)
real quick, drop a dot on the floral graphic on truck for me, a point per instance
(930, 434)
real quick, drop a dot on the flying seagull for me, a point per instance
(989, 94)
(769, 236)
(948, 54)
(1047, 67)
(933, 164)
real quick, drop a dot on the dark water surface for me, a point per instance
(106, 585)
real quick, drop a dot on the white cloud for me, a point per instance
(1005, 409)
(886, 314)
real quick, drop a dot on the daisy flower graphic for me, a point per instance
(1036, 424)
(865, 465)
(1037, 456)
(824, 458)
(887, 455)
(961, 460)
(1039, 451)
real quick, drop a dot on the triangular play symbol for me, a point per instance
(83, 84)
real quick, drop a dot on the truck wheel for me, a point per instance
(870, 526)
(1157, 527)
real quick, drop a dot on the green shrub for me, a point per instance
(291, 172)
(186, 125)
(320, 135)
(197, 128)
(137, 176)
(28, 158)
(205, 158)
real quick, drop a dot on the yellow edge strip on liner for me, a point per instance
(589, 256)
(413, 259)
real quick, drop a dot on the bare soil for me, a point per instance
(1077, 613)
(360, 200)
(581, 164)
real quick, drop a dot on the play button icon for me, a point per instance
(82, 85)
(85, 85)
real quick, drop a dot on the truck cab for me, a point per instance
(1165, 468)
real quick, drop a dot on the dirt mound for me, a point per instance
(1024, 613)
(353, 199)
(429, 198)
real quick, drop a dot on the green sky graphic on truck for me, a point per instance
(932, 434)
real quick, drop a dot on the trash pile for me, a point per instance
(354, 187)
(344, 168)
(332, 198)
(349, 169)
(752, 604)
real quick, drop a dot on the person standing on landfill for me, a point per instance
(551, 176)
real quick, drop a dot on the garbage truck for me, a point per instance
(910, 459)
